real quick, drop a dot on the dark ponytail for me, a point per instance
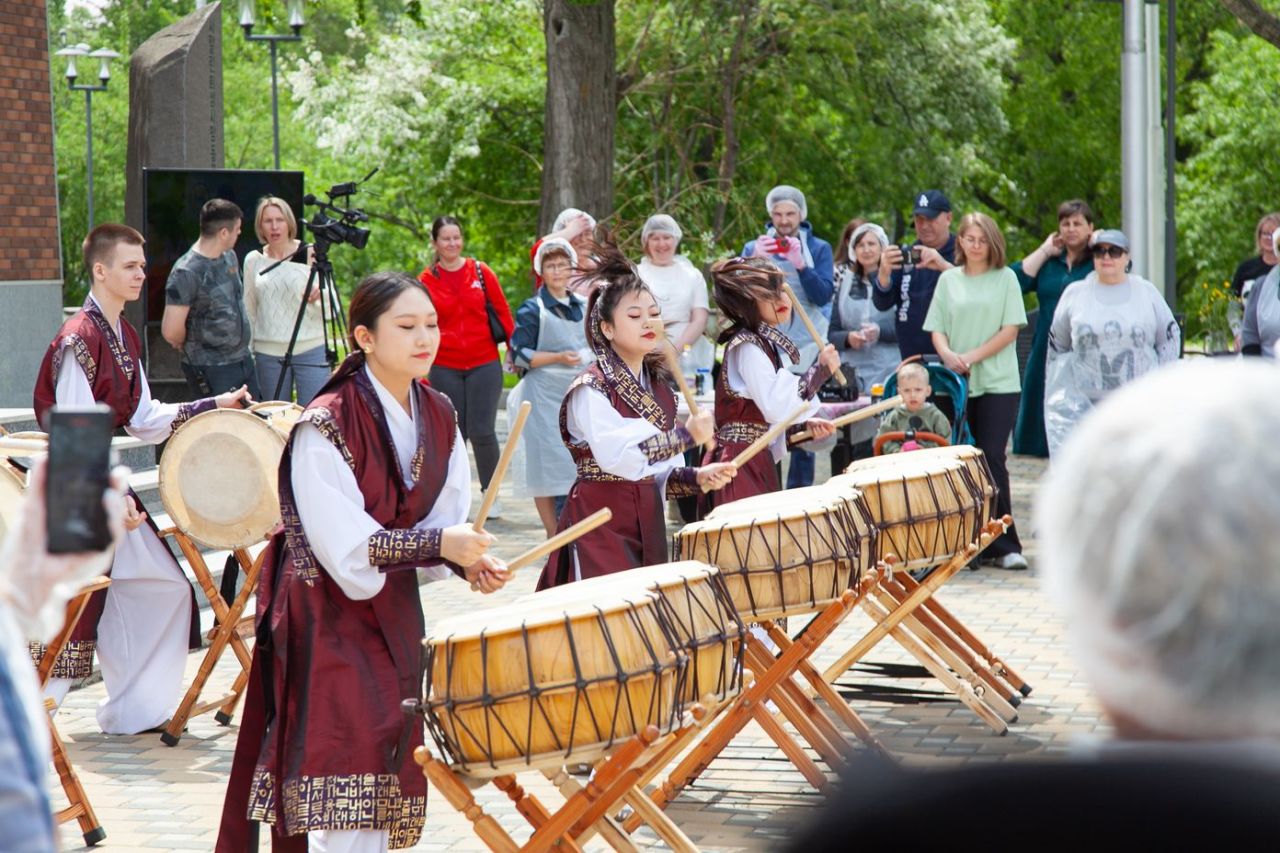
(738, 284)
(615, 277)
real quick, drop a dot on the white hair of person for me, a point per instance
(553, 244)
(865, 227)
(569, 213)
(660, 223)
(784, 192)
(1157, 538)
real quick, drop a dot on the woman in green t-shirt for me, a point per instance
(974, 317)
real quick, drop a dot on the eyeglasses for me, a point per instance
(556, 267)
(1113, 252)
(974, 241)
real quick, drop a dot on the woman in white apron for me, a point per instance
(550, 343)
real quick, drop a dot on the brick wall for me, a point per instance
(28, 177)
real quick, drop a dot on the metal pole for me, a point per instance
(1170, 153)
(1133, 143)
(1156, 155)
(275, 107)
(88, 144)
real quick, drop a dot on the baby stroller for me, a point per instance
(950, 395)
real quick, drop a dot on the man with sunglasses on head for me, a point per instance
(1109, 329)
(907, 282)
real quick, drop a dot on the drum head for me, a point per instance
(791, 503)
(218, 478)
(282, 415)
(12, 486)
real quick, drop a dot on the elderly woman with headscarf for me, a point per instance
(1108, 330)
(577, 228)
(550, 343)
(1262, 313)
(864, 335)
(680, 289)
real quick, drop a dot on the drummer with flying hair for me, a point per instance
(755, 390)
(145, 623)
(618, 420)
(374, 484)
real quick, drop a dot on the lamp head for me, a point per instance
(247, 16)
(71, 52)
(104, 57)
(296, 21)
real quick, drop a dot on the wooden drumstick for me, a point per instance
(853, 417)
(673, 363)
(765, 440)
(22, 447)
(564, 537)
(813, 331)
(491, 493)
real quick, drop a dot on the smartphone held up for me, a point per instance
(79, 471)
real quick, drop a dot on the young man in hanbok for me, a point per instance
(374, 484)
(145, 623)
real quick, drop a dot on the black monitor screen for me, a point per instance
(171, 214)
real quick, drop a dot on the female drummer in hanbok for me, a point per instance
(144, 625)
(618, 421)
(754, 389)
(374, 484)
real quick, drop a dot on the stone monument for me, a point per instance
(175, 120)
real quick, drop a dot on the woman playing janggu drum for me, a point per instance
(365, 502)
(618, 421)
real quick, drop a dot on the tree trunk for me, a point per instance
(1256, 18)
(581, 109)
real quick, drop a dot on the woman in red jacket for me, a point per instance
(467, 368)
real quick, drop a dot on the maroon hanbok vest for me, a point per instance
(323, 743)
(636, 535)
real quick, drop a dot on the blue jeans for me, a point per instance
(308, 371)
(212, 380)
(800, 474)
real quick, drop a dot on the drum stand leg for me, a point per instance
(744, 708)
(828, 694)
(225, 633)
(967, 637)
(485, 827)
(609, 830)
(925, 624)
(918, 596)
(963, 690)
(78, 806)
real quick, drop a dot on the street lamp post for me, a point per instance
(296, 23)
(104, 58)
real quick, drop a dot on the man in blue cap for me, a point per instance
(906, 284)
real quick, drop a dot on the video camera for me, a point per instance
(335, 223)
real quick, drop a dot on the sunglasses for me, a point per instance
(1114, 252)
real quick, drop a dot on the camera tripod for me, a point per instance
(332, 320)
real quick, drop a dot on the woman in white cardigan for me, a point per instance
(275, 279)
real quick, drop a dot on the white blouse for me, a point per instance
(615, 440)
(331, 506)
(776, 392)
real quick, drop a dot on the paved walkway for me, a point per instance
(151, 797)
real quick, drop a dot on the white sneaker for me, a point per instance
(495, 511)
(1014, 561)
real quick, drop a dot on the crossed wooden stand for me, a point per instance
(79, 807)
(228, 625)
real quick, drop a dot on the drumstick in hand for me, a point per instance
(765, 440)
(813, 332)
(22, 447)
(853, 417)
(564, 537)
(491, 493)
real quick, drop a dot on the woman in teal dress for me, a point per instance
(1062, 259)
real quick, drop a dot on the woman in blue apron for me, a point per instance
(550, 343)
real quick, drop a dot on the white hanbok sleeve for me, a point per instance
(775, 392)
(614, 440)
(152, 421)
(453, 505)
